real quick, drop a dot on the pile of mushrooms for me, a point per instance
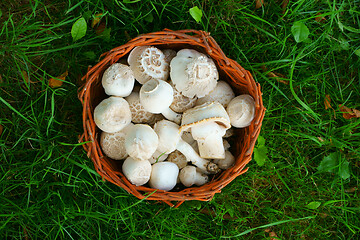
(170, 125)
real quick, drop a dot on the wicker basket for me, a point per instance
(91, 93)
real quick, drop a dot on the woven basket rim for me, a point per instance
(239, 79)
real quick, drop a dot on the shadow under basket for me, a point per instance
(242, 143)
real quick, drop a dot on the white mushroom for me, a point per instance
(193, 73)
(113, 144)
(241, 110)
(208, 123)
(112, 114)
(222, 94)
(227, 162)
(148, 63)
(189, 176)
(170, 140)
(137, 172)
(141, 142)
(156, 96)
(181, 103)
(164, 176)
(118, 80)
(158, 157)
(138, 113)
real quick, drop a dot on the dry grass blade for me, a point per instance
(259, 4)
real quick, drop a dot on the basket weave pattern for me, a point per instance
(91, 93)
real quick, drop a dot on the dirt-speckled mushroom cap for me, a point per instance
(137, 172)
(169, 54)
(193, 73)
(181, 103)
(178, 158)
(148, 63)
(118, 80)
(112, 114)
(138, 113)
(113, 144)
(222, 93)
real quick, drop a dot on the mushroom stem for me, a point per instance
(190, 154)
(171, 115)
(213, 147)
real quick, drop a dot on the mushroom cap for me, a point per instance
(222, 93)
(188, 175)
(169, 54)
(141, 142)
(181, 103)
(209, 111)
(169, 135)
(137, 172)
(118, 80)
(112, 114)
(178, 158)
(158, 157)
(193, 73)
(156, 95)
(241, 110)
(113, 144)
(147, 63)
(227, 162)
(164, 176)
(138, 112)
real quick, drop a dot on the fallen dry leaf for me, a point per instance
(272, 235)
(54, 83)
(259, 4)
(277, 76)
(100, 28)
(349, 113)
(327, 102)
(320, 18)
(96, 19)
(1, 129)
(284, 5)
(351, 190)
(25, 75)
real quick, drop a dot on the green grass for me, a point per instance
(49, 188)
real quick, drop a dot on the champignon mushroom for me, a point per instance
(138, 113)
(193, 73)
(241, 110)
(189, 176)
(156, 96)
(164, 176)
(141, 142)
(180, 102)
(148, 63)
(170, 140)
(137, 172)
(222, 94)
(112, 114)
(208, 123)
(158, 157)
(113, 144)
(118, 80)
(227, 162)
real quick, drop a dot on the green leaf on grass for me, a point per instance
(78, 29)
(344, 170)
(260, 151)
(149, 18)
(106, 34)
(90, 55)
(357, 52)
(300, 31)
(313, 205)
(196, 13)
(87, 15)
(329, 163)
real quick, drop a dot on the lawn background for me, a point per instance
(49, 189)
